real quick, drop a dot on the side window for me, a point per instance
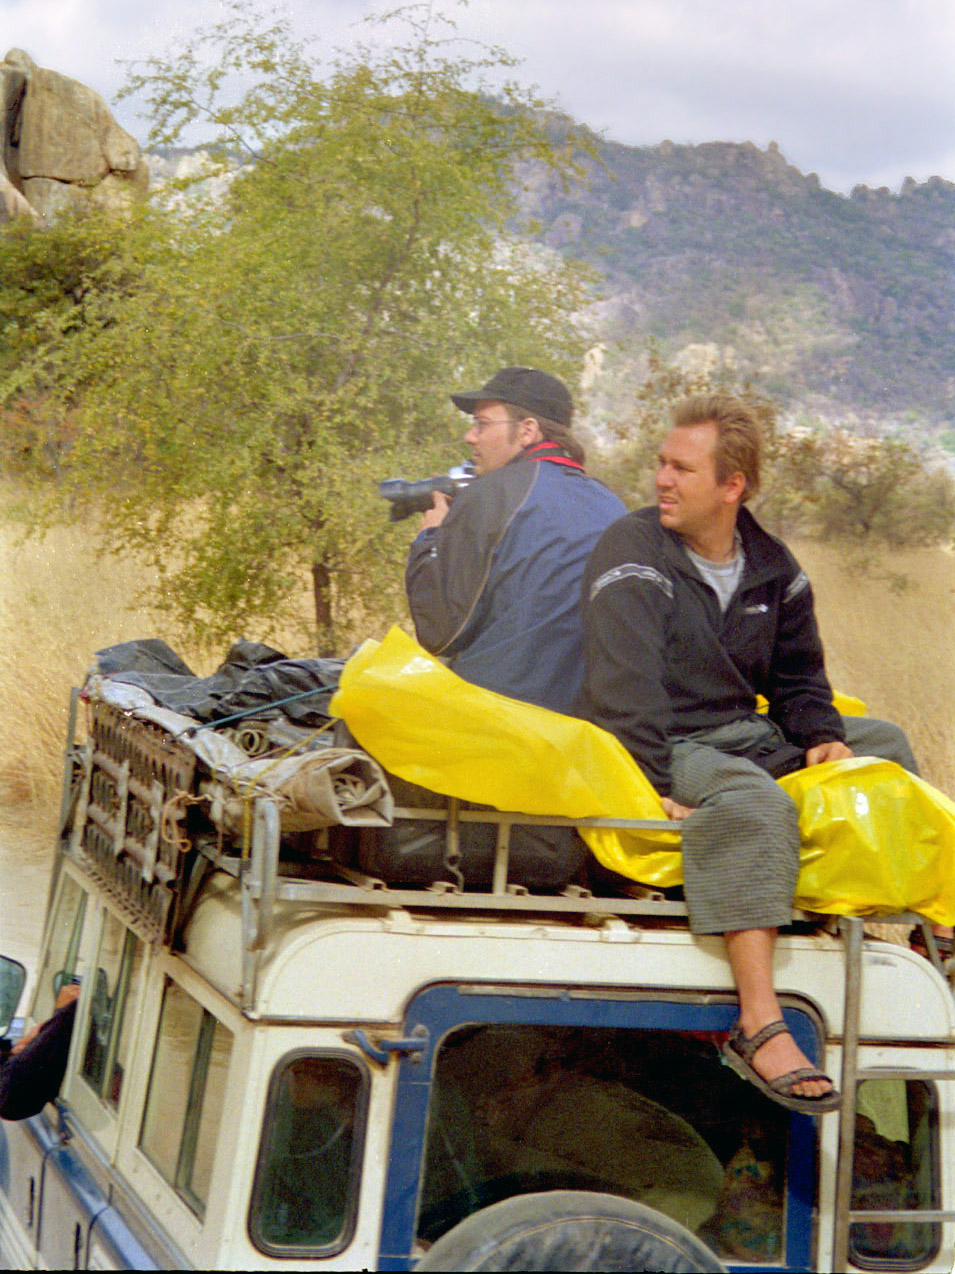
(306, 1180)
(186, 1092)
(61, 961)
(117, 985)
(895, 1166)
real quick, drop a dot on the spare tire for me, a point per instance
(570, 1230)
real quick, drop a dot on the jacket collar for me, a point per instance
(552, 452)
(766, 557)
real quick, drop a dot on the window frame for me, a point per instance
(356, 1159)
(118, 1018)
(82, 925)
(442, 1007)
(103, 1118)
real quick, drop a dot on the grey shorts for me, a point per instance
(741, 843)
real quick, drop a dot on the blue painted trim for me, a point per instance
(442, 1008)
(111, 1230)
(42, 1131)
(79, 1183)
(93, 1211)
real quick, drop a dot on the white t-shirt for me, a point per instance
(722, 577)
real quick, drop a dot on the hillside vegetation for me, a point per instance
(842, 306)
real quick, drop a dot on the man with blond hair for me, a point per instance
(691, 611)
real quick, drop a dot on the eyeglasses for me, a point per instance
(480, 425)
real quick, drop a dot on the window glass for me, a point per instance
(220, 1053)
(895, 1167)
(12, 979)
(112, 1011)
(306, 1178)
(186, 1090)
(170, 1079)
(126, 1014)
(650, 1115)
(61, 961)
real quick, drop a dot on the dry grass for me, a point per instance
(895, 651)
(58, 606)
(61, 603)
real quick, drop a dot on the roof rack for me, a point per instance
(142, 815)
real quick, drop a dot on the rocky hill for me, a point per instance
(60, 146)
(840, 308)
(841, 305)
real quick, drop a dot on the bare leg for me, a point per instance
(750, 954)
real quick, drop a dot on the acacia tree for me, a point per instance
(53, 282)
(860, 490)
(289, 346)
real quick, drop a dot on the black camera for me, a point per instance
(415, 497)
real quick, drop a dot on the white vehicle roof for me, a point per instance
(329, 963)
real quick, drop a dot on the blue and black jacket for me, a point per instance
(495, 590)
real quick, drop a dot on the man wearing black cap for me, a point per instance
(494, 577)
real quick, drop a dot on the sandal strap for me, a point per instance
(784, 1084)
(748, 1045)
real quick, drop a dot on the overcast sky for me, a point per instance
(854, 90)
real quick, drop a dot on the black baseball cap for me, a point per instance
(524, 387)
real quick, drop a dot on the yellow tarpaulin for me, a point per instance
(875, 839)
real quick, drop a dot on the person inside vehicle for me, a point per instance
(519, 1104)
(493, 577)
(32, 1071)
(691, 610)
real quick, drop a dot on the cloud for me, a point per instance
(854, 91)
(857, 91)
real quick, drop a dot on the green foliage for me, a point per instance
(56, 285)
(865, 493)
(285, 349)
(836, 485)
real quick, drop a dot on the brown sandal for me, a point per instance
(739, 1051)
